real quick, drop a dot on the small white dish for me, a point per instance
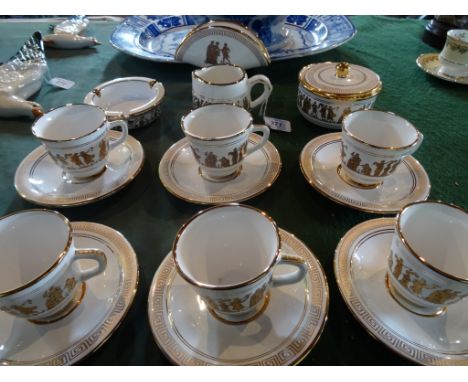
(137, 100)
(283, 334)
(319, 163)
(360, 267)
(39, 180)
(106, 300)
(430, 63)
(179, 174)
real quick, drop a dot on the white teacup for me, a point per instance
(228, 253)
(227, 84)
(75, 136)
(454, 56)
(428, 262)
(218, 136)
(373, 143)
(40, 278)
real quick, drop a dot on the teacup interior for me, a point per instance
(30, 243)
(69, 122)
(227, 246)
(221, 74)
(381, 129)
(126, 96)
(216, 121)
(439, 234)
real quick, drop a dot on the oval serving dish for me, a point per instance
(134, 99)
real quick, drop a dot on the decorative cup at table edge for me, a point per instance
(427, 268)
(57, 285)
(373, 144)
(454, 55)
(110, 96)
(328, 91)
(232, 270)
(218, 136)
(75, 136)
(227, 84)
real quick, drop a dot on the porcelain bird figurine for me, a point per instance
(21, 77)
(67, 35)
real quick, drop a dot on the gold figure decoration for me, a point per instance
(87, 158)
(257, 296)
(53, 296)
(366, 169)
(70, 284)
(457, 48)
(225, 51)
(22, 309)
(196, 154)
(379, 167)
(102, 149)
(210, 159)
(225, 162)
(81, 159)
(75, 159)
(411, 281)
(344, 114)
(213, 52)
(354, 161)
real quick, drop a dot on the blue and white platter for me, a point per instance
(156, 38)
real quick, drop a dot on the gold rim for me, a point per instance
(357, 96)
(74, 138)
(198, 78)
(244, 31)
(274, 169)
(299, 344)
(59, 259)
(191, 135)
(75, 200)
(412, 251)
(308, 171)
(345, 129)
(231, 286)
(88, 100)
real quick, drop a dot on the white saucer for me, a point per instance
(319, 161)
(39, 180)
(106, 301)
(360, 267)
(283, 334)
(429, 62)
(179, 174)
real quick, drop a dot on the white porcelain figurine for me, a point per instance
(21, 77)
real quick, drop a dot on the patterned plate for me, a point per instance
(107, 299)
(178, 172)
(39, 180)
(319, 162)
(156, 38)
(360, 267)
(283, 334)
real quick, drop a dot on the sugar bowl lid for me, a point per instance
(340, 81)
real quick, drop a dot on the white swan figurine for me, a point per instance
(21, 77)
(67, 35)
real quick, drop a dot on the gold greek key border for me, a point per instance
(419, 191)
(371, 323)
(292, 351)
(272, 172)
(118, 245)
(36, 156)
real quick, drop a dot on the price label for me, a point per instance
(278, 124)
(61, 83)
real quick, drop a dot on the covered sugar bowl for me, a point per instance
(328, 91)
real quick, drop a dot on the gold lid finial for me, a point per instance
(342, 69)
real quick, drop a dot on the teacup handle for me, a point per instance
(267, 88)
(292, 277)
(266, 134)
(90, 254)
(123, 125)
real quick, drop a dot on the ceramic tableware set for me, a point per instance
(235, 289)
